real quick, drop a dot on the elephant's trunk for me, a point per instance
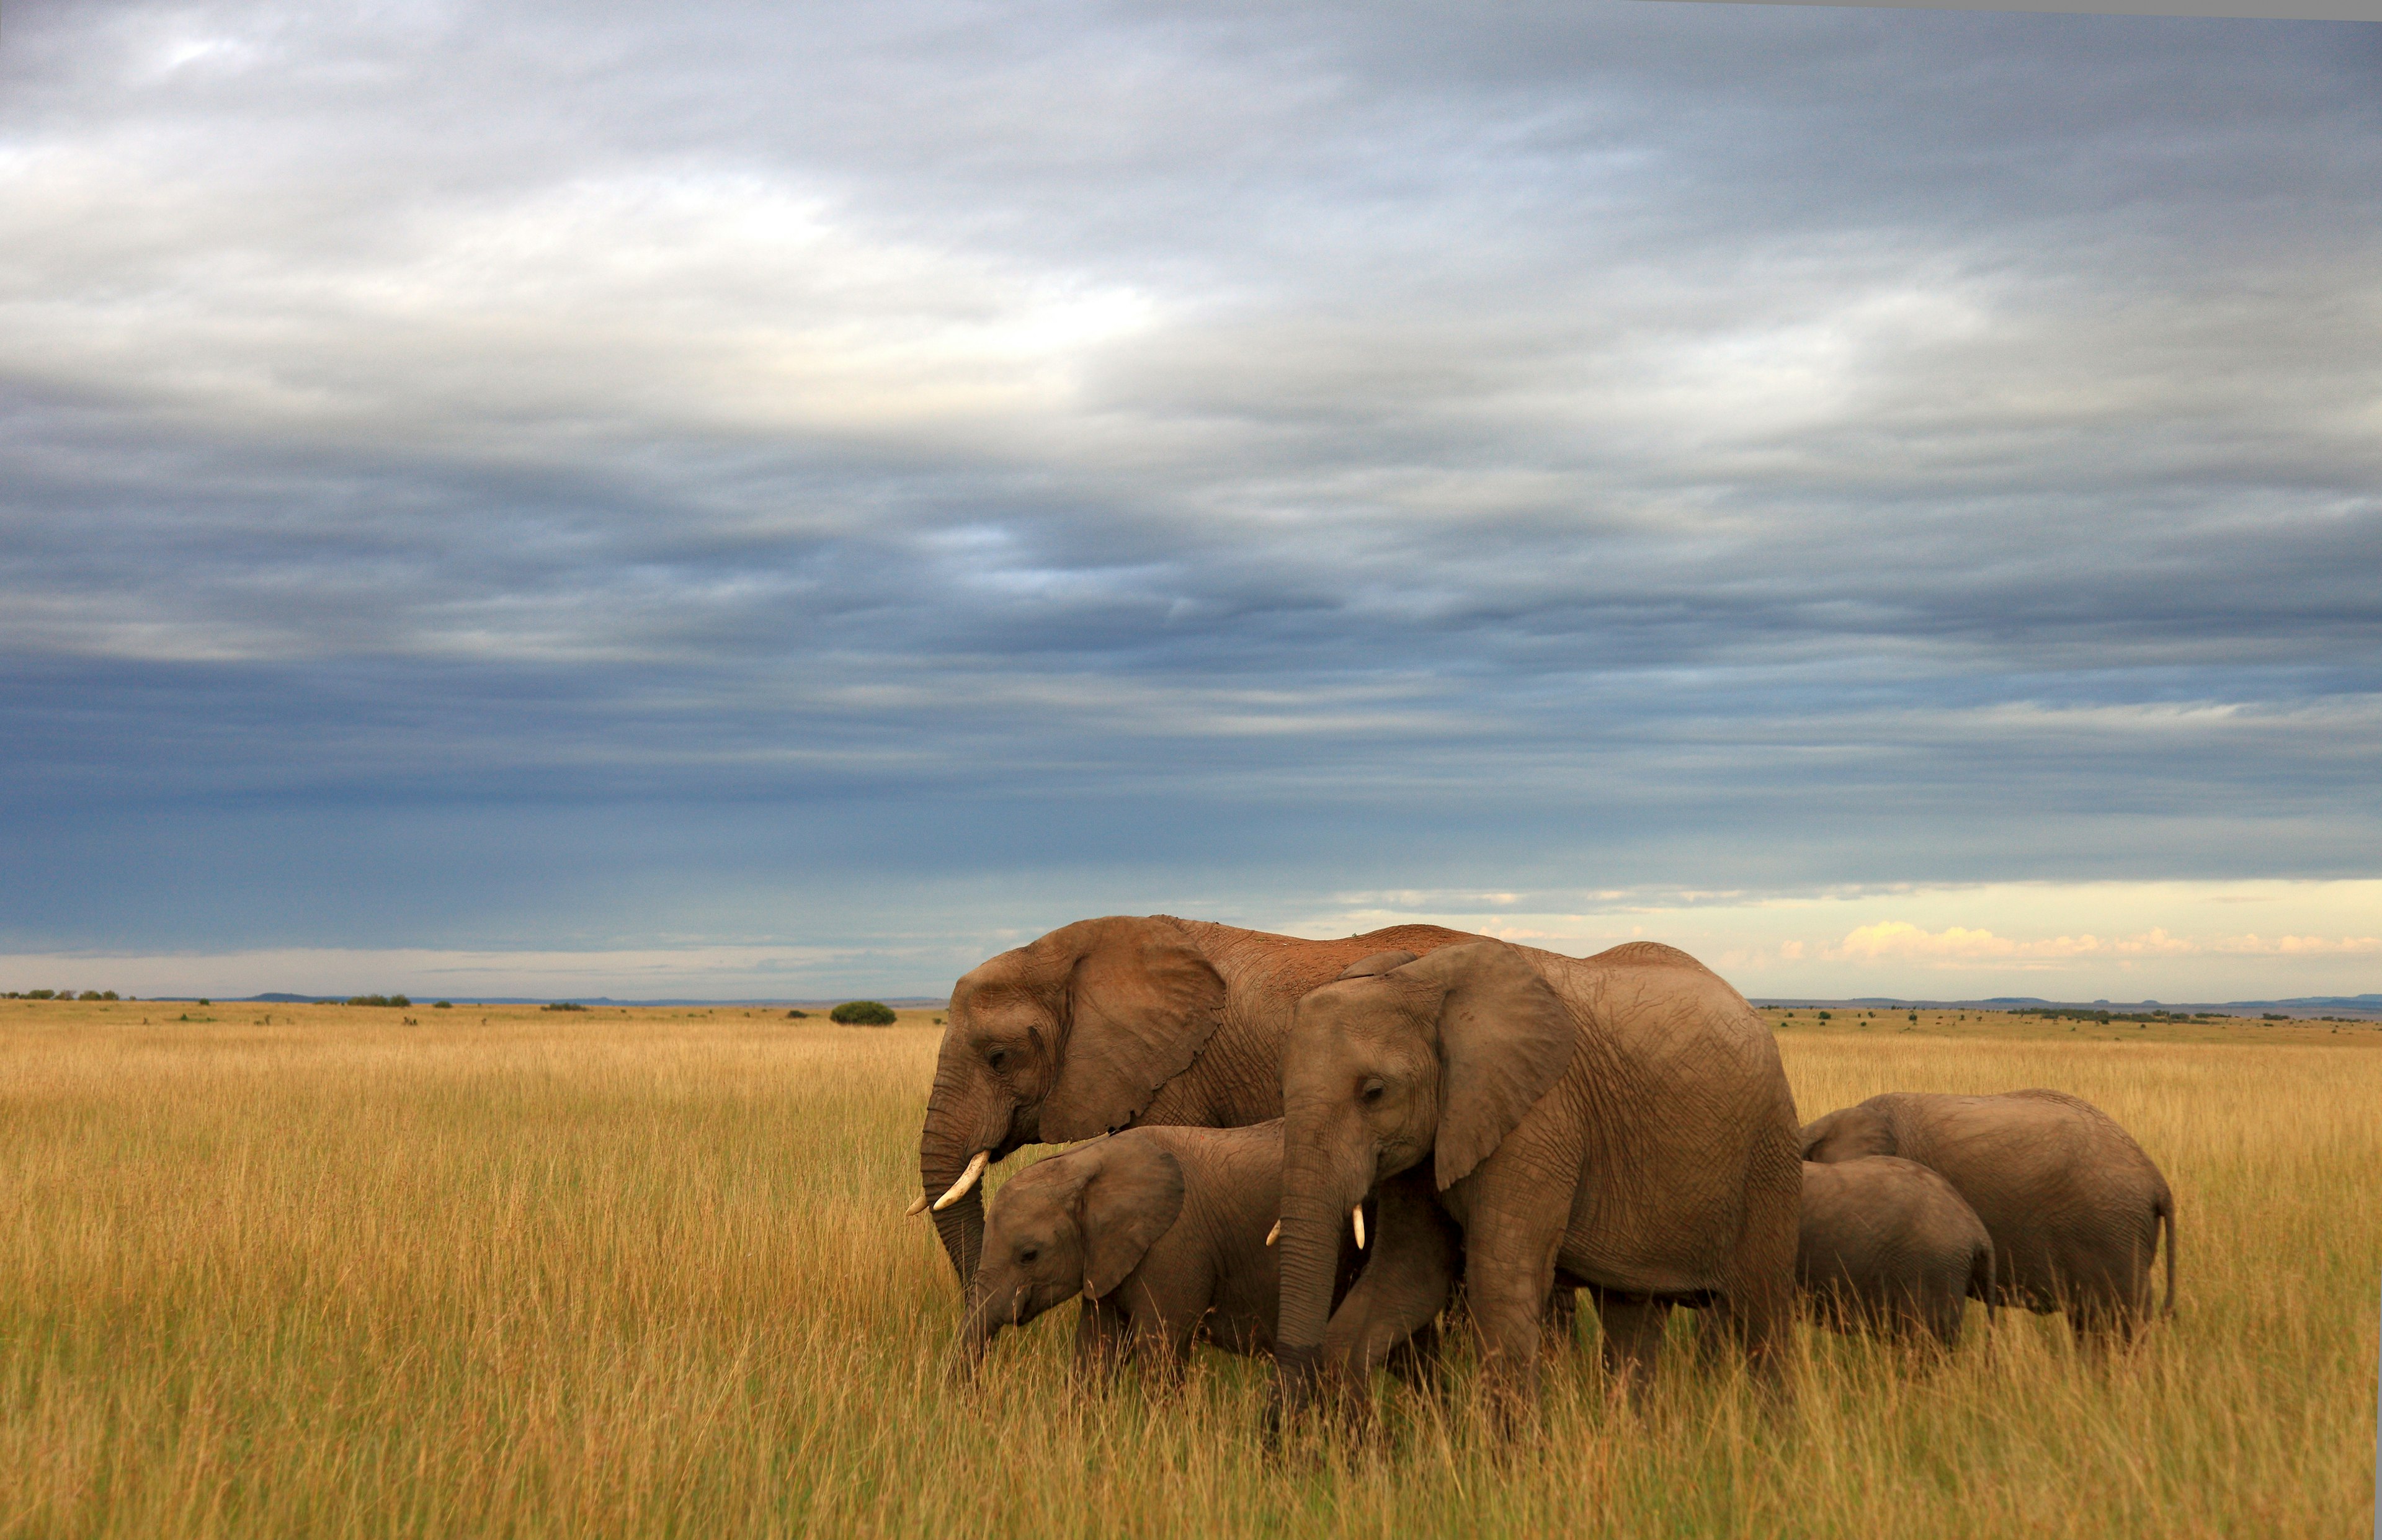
(1313, 1216)
(960, 1227)
(977, 1331)
(958, 1127)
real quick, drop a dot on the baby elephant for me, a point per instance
(2073, 1205)
(1886, 1244)
(1161, 1230)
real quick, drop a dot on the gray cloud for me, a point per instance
(1144, 455)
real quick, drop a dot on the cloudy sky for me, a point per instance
(749, 500)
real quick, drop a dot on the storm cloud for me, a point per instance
(891, 478)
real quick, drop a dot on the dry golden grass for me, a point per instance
(512, 1272)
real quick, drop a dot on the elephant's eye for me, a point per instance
(1031, 1254)
(1372, 1091)
(997, 1058)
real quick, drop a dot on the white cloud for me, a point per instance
(2300, 946)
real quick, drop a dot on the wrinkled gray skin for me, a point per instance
(1161, 1231)
(1887, 1246)
(2073, 1203)
(1621, 1118)
(1115, 1022)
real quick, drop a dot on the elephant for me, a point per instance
(1620, 1121)
(1166, 1233)
(1888, 1245)
(2073, 1203)
(1113, 1023)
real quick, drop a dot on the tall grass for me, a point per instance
(644, 1274)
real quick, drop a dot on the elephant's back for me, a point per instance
(1890, 1196)
(1659, 1018)
(2040, 1135)
(1264, 971)
(2063, 1190)
(1228, 1168)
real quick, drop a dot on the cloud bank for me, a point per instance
(533, 477)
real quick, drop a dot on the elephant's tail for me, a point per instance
(2165, 1214)
(1983, 1262)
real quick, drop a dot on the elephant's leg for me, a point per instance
(1416, 1363)
(1757, 1307)
(1101, 1344)
(1947, 1304)
(1632, 1338)
(1561, 1329)
(1508, 1272)
(1515, 1209)
(1157, 1343)
(2099, 1320)
(1404, 1284)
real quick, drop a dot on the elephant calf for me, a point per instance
(1163, 1233)
(2073, 1203)
(1886, 1244)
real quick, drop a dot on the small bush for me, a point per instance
(798, 1016)
(206, 1002)
(863, 1013)
(442, 1005)
(563, 1005)
(377, 1000)
(41, 994)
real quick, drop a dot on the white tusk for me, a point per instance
(967, 1179)
(1274, 1234)
(917, 1206)
(1357, 1218)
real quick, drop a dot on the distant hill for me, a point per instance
(907, 1002)
(2304, 1004)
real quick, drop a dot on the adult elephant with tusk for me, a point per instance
(1620, 1121)
(1114, 1022)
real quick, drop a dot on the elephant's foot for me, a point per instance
(1632, 1341)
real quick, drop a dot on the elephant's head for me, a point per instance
(1437, 1059)
(1060, 1039)
(1848, 1133)
(1074, 1224)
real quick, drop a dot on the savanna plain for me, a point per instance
(358, 1271)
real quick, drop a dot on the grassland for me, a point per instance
(348, 1271)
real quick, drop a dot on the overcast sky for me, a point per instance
(730, 500)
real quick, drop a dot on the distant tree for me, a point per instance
(563, 1005)
(41, 994)
(798, 1016)
(92, 994)
(863, 1013)
(442, 1005)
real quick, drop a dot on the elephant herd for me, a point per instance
(1318, 1150)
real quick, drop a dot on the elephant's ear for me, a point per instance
(1379, 963)
(1133, 1196)
(1848, 1133)
(1504, 1038)
(1141, 1003)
